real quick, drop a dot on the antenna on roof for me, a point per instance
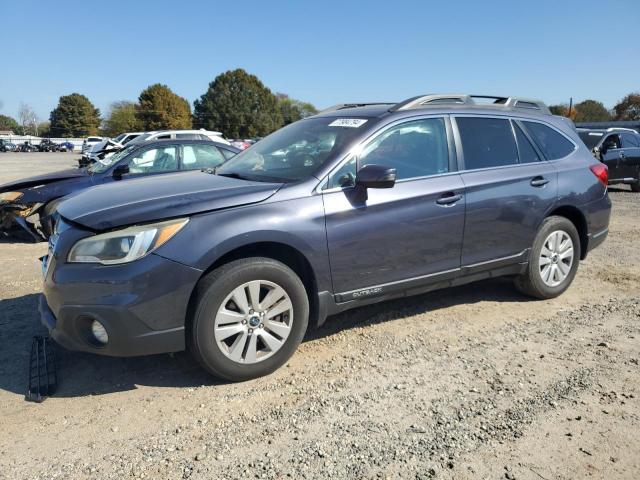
(342, 106)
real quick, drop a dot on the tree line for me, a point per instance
(593, 111)
(236, 103)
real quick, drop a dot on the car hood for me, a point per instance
(43, 179)
(160, 197)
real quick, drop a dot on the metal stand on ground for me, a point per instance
(43, 378)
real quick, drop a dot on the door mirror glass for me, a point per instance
(376, 176)
(120, 170)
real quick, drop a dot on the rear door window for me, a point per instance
(154, 160)
(200, 156)
(553, 144)
(487, 142)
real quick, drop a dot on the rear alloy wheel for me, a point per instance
(553, 261)
(556, 258)
(250, 316)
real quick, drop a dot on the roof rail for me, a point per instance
(342, 106)
(611, 129)
(465, 99)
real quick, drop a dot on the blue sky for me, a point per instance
(324, 52)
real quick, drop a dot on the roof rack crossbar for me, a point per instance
(465, 99)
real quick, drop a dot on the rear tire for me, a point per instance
(635, 187)
(553, 261)
(249, 317)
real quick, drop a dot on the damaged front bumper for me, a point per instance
(16, 219)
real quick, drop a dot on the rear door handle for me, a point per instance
(539, 182)
(448, 198)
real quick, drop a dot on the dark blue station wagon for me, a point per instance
(28, 203)
(358, 204)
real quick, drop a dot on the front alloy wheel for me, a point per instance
(253, 321)
(248, 318)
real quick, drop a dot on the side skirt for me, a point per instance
(329, 304)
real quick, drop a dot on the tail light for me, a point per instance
(602, 172)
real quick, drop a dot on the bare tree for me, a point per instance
(28, 119)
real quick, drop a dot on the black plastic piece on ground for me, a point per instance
(43, 379)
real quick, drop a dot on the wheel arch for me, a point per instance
(282, 252)
(575, 216)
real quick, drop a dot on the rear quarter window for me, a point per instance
(553, 144)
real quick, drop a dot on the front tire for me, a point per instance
(250, 315)
(635, 187)
(554, 259)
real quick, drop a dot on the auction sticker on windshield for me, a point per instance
(348, 122)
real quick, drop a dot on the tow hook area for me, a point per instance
(43, 377)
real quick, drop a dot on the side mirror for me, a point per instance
(120, 170)
(376, 176)
(597, 152)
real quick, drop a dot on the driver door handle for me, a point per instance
(448, 198)
(539, 182)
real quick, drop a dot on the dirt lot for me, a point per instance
(472, 382)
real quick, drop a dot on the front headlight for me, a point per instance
(123, 246)
(8, 197)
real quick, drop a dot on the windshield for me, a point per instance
(119, 138)
(293, 152)
(106, 163)
(591, 139)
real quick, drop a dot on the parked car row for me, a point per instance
(7, 146)
(94, 152)
(355, 205)
(45, 145)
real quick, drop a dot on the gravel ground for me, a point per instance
(472, 382)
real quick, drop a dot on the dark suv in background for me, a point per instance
(619, 149)
(358, 204)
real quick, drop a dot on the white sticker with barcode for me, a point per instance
(348, 122)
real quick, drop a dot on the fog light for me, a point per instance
(99, 332)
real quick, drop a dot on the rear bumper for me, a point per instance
(597, 214)
(141, 305)
(596, 239)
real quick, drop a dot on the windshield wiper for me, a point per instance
(214, 171)
(233, 175)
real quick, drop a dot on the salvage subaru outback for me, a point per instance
(355, 205)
